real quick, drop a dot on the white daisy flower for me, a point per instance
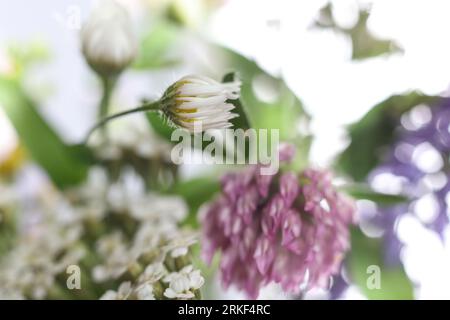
(200, 102)
(107, 39)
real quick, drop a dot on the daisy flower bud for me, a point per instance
(196, 103)
(200, 102)
(107, 39)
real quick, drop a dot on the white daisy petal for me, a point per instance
(195, 100)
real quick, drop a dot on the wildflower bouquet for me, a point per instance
(116, 216)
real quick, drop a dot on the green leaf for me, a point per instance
(155, 46)
(160, 125)
(364, 192)
(374, 132)
(64, 164)
(283, 110)
(196, 192)
(164, 130)
(242, 120)
(367, 252)
(364, 43)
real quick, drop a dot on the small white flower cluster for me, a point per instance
(164, 248)
(149, 243)
(125, 196)
(156, 282)
(31, 268)
(154, 218)
(123, 293)
(182, 284)
(117, 232)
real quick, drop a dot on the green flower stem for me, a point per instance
(148, 106)
(108, 84)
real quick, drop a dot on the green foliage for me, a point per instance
(364, 44)
(370, 136)
(162, 128)
(66, 165)
(155, 46)
(375, 131)
(284, 112)
(242, 121)
(367, 252)
(26, 55)
(364, 192)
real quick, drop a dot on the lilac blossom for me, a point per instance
(419, 161)
(417, 166)
(287, 228)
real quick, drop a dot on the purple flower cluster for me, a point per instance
(420, 160)
(422, 130)
(285, 228)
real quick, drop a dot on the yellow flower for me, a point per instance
(13, 162)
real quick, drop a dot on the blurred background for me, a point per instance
(340, 58)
